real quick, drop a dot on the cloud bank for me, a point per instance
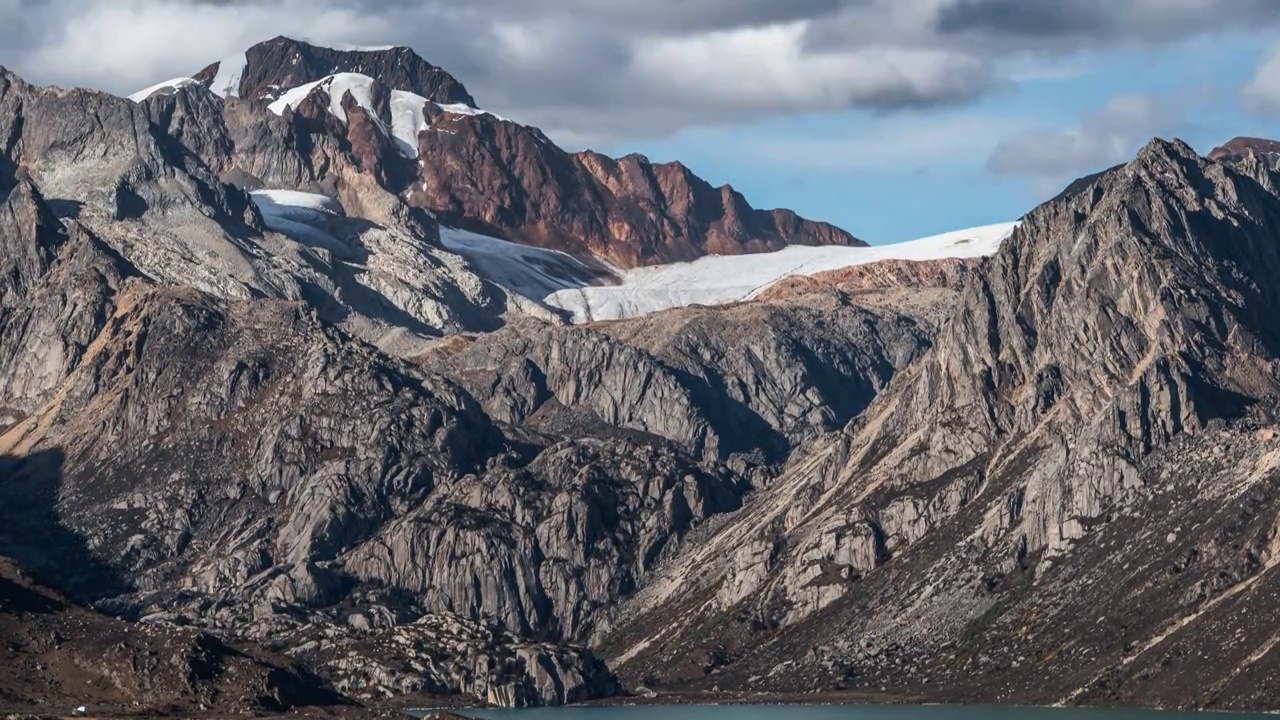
(601, 69)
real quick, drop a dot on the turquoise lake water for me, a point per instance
(840, 712)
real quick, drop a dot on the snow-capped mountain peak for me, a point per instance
(267, 70)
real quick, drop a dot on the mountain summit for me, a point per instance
(268, 69)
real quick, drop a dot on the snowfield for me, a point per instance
(337, 86)
(299, 215)
(722, 279)
(226, 82)
(529, 271)
(592, 291)
(295, 204)
(532, 272)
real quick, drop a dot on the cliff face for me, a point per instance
(745, 384)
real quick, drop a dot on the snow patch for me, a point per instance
(299, 215)
(226, 82)
(357, 48)
(337, 86)
(295, 203)
(408, 116)
(529, 271)
(464, 109)
(170, 85)
(722, 279)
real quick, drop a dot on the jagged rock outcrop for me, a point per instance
(58, 290)
(545, 549)
(794, 368)
(438, 654)
(96, 154)
(752, 380)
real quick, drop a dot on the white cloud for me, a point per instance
(1263, 90)
(129, 43)
(907, 145)
(1105, 137)
(768, 69)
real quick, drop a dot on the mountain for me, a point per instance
(419, 135)
(267, 70)
(252, 411)
(1068, 498)
(280, 428)
(1239, 148)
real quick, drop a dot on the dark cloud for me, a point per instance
(675, 16)
(1025, 17)
(1092, 22)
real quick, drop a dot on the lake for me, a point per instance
(838, 712)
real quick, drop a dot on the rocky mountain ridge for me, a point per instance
(937, 540)
(487, 173)
(267, 70)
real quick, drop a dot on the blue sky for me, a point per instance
(897, 176)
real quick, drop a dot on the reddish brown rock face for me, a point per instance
(943, 273)
(505, 177)
(1241, 146)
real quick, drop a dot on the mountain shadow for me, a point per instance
(32, 530)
